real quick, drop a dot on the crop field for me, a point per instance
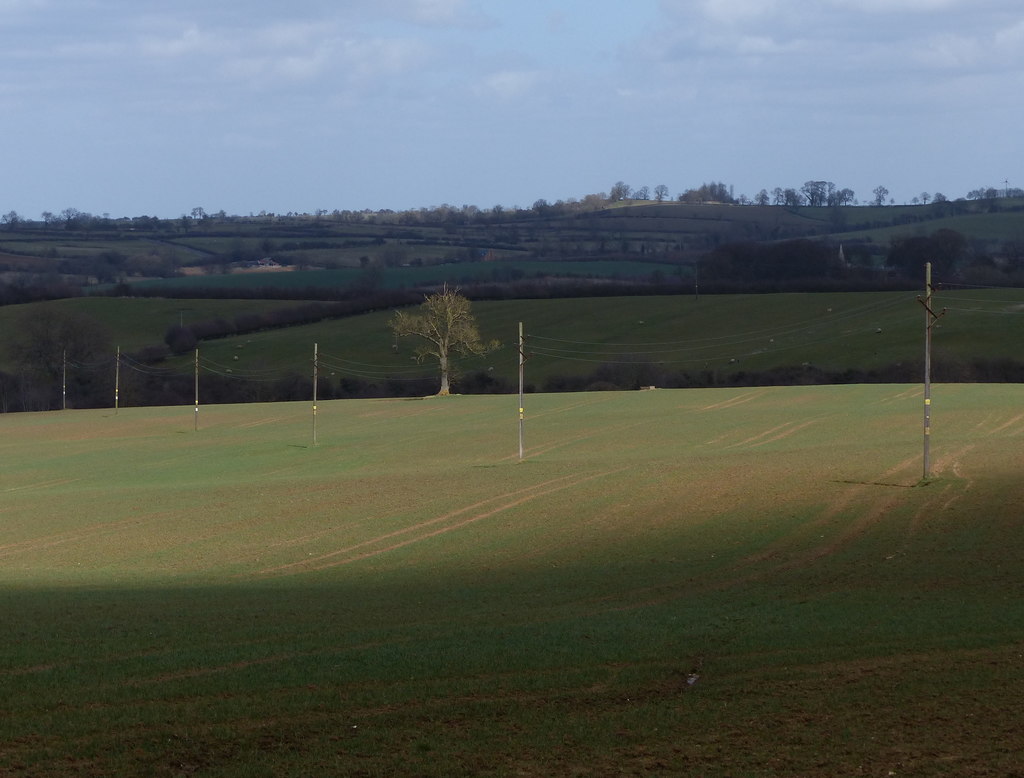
(722, 334)
(133, 323)
(399, 277)
(713, 582)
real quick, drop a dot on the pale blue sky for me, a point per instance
(131, 107)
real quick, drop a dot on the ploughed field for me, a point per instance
(690, 582)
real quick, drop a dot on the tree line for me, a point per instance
(813, 193)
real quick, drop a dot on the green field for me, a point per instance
(133, 323)
(721, 334)
(693, 582)
(402, 277)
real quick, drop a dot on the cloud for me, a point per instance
(509, 84)
(176, 44)
(738, 11)
(899, 6)
(435, 13)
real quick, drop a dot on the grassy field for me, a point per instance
(723, 334)
(401, 277)
(695, 582)
(720, 334)
(134, 323)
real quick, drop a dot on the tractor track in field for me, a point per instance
(732, 402)
(545, 448)
(76, 534)
(42, 484)
(439, 525)
(865, 501)
(774, 434)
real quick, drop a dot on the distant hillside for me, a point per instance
(672, 240)
(263, 350)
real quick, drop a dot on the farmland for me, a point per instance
(748, 581)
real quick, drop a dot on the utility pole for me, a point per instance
(117, 379)
(64, 380)
(195, 426)
(522, 360)
(930, 317)
(316, 370)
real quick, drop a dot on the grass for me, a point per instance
(400, 277)
(722, 334)
(137, 322)
(407, 597)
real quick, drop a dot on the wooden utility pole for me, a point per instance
(930, 317)
(522, 362)
(195, 425)
(316, 370)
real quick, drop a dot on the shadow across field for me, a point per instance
(691, 582)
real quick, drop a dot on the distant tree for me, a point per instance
(713, 192)
(925, 198)
(446, 324)
(840, 197)
(938, 197)
(880, 193)
(42, 338)
(945, 249)
(660, 192)
(643, 193)
(984, 193)
(72, 218)
(761, 198)
(778, 196)
(180, 339)
(792, 198)
(198, 213)
(11, 219)
(620, 191)
(816, 192)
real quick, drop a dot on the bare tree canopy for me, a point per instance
(445, 325)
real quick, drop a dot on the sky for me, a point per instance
(132, 107)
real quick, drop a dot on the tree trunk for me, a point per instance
(445, 386)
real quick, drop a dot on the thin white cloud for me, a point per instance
(175, 44)
(738, 11)
(509, 84)
(899, 6)
(460, 14)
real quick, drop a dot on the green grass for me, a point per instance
(399, 277)
(134, 323)
(406, 597)
(721, 334)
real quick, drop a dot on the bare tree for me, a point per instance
(880, 193)
(620, 191)
(446, 324)
(660, 192)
